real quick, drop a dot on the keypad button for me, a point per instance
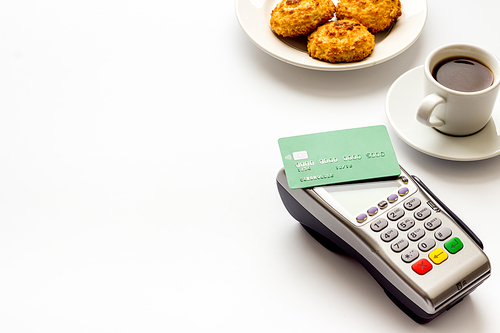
(372, 211)
(433, 206)
(396, 214)
(361, 218)
(442, 234)
(389, 235)
(433, 223)
(426, 244)
(416, 234)
(422, 213)
(399, 245)
(379, 224)
(454, 245)
(403, 191)
(422, 266)
(382, 204)
(392, 198)
(410, 255)
(438, 256)
(412, 203)
(406, 224)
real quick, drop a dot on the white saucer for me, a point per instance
(402, 102)
(254, 16)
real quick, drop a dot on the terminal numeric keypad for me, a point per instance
(416, 225)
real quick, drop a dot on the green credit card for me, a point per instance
(348, 155)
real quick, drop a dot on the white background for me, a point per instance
(138, 155)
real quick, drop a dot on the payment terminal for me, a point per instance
(423, 256)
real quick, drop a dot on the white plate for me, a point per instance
(402, 103)
(254, 17)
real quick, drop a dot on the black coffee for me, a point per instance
(463, 74)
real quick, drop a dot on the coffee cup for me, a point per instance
(461, 86)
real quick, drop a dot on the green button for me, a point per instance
(454, 245)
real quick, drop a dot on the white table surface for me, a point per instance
(138, 159)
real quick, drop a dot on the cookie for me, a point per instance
(340, 41)
(292, 18)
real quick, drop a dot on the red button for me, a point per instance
(422, 266)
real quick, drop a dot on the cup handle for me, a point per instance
(424, 113)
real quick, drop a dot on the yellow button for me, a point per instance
(438, 256)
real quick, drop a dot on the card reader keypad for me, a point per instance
(415, 233)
